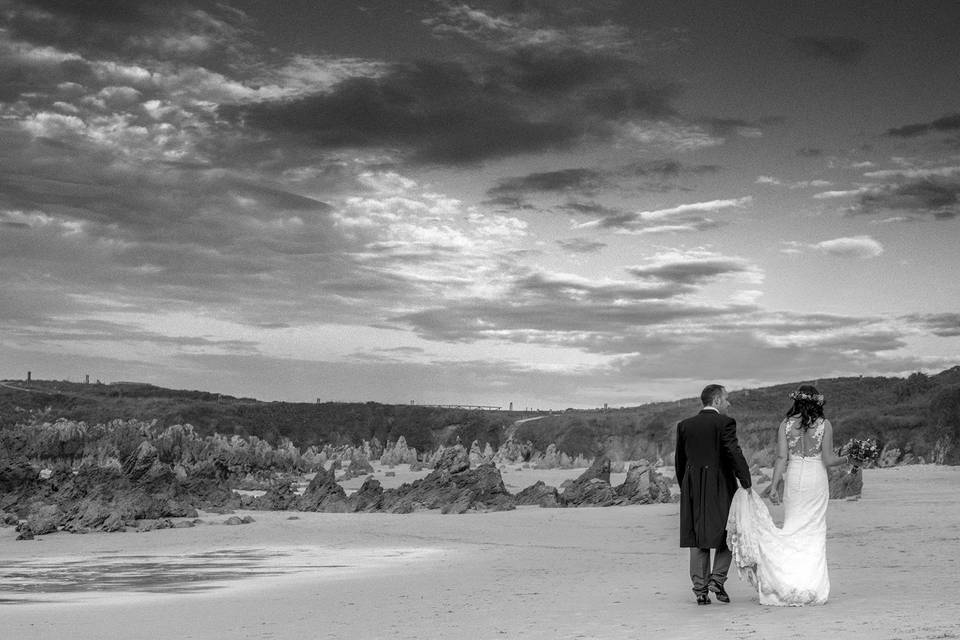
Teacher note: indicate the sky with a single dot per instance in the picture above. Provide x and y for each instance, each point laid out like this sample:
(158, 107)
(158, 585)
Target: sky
(539, 204)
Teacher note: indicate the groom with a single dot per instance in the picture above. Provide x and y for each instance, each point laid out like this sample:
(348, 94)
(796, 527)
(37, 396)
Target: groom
(708, 464)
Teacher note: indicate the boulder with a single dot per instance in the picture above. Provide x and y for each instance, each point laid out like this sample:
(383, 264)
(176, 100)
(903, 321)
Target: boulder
(43, 518)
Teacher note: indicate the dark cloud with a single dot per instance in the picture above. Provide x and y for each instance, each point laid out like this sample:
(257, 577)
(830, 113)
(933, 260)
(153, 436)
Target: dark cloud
(552, 72)
(945, 325)
(580, 180)
(434, 109)
(837, 49)
(590, 209)
(653, 175)
(666, 168)
(945, 124)
(937, 197)
(581, 245)
(692, 271)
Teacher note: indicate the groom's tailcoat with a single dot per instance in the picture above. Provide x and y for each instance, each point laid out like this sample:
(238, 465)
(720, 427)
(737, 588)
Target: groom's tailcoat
(708, 464)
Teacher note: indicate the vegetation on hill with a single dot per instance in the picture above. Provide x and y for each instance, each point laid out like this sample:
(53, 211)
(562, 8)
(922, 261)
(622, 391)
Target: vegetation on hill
(919, 414)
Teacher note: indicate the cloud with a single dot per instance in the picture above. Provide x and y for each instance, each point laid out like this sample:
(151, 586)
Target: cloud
(914, 173)
(944, 325)
(581, 245)
(851, 247)
(934, 197)
(945, 124)
(684, 217)
(579, 180)
(694, 268)
(836, 49)
(652, 175)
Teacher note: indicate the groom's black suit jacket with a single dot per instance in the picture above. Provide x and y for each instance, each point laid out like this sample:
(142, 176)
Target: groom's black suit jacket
(708, 463)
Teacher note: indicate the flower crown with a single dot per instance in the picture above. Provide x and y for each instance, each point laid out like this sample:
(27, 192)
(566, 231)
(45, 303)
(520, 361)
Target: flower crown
(800, 395)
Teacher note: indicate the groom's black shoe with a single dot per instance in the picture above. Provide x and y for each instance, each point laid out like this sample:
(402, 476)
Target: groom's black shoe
(703, 599)
(720, 593)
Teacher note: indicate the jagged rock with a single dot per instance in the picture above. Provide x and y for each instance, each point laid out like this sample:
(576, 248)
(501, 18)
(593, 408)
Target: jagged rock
(476, 455)
(416, 466)
(368, 497)
(9, 519)
(323, 494)
(636, 486)
(599, 469)
(452, 460)
(592, 492)
(540, 494)
(400, 453)
(140, 461)
(479, 489)
(359, 466)
(278, 498)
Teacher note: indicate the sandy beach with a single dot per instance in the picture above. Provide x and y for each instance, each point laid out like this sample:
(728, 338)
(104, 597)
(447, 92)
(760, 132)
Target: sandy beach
(606, 573)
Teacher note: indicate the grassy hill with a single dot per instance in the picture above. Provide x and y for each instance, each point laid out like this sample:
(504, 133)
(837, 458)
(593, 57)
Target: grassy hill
(914, 413)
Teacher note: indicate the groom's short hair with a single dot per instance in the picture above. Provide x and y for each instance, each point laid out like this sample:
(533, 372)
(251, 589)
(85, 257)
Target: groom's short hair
(710, 392)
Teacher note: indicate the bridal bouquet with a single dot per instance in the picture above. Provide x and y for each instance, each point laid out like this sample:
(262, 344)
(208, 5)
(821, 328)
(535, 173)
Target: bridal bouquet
(865, 450)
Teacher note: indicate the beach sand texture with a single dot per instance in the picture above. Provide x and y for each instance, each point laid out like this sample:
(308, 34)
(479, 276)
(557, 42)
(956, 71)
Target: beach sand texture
(610, 573)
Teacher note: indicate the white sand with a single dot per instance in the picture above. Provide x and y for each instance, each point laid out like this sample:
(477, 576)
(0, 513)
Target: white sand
(531, 573)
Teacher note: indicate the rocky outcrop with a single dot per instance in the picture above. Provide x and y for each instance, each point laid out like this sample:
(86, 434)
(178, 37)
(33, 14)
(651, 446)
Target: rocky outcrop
(278, 498)
(592, 487)
(636, 487)
(539, 494)
(399, 453)
(359, 467)
(368, 497)
(452, 487)
(114, 498)
(323, 494)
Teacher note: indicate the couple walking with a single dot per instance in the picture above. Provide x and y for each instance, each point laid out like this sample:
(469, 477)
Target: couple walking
(787, 565)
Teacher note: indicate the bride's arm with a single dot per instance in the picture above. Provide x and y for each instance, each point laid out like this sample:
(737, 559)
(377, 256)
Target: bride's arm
(780, 464)
(830, 459)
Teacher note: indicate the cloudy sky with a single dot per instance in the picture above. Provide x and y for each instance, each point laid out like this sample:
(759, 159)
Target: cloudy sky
(551, 204)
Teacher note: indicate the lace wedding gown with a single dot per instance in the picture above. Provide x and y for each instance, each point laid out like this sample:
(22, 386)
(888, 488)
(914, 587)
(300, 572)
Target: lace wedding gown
(787, 565)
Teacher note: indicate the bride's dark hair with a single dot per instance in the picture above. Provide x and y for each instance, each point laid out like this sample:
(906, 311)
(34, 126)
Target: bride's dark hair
(808, 404)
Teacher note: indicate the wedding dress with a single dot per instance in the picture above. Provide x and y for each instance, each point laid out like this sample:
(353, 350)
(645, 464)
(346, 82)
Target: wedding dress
(787, 565)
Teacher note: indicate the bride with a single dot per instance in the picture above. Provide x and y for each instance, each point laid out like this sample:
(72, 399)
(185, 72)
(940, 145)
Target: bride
(788, 565)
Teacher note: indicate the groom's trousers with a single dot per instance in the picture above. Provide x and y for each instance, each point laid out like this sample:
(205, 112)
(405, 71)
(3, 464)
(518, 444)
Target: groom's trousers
(700, 571)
